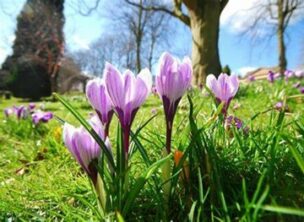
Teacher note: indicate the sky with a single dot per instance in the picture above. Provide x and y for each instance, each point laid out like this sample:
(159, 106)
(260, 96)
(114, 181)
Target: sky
(240, 53)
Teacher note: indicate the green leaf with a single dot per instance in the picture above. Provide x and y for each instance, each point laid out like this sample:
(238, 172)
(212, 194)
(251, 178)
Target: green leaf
(140, 182)
(284, 210)
(296, 154)
(119, 217)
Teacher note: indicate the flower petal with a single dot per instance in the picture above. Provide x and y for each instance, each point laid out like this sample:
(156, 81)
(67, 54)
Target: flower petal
(114, 85)
(211, 83)
(234, 85)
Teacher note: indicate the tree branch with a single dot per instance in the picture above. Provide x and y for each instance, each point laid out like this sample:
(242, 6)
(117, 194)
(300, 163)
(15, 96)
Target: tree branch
(177, 12)
(89, 9)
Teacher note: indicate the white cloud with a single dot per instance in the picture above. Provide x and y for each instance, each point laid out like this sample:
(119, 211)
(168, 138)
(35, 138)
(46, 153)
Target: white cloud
(11, 39)
(3, 54)
(244, 70)
(239, 14)
(80, 43)
(236, 13)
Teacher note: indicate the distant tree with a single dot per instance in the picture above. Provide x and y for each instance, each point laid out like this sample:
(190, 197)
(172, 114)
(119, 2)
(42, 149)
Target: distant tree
(226, 69)
(203, 20)
(138, 44)
(106, 48)
(146, 30)
(277, 14)
(39, 41)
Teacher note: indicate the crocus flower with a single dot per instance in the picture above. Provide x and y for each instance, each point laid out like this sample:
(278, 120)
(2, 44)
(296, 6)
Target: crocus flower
(172, 80)
(224, 88)
(83, 147)
(127, 92)
(277, 75)
(279, 106)
(100, 101)
(40, 116)
(236, 122)
(232, 120)
(288, 74)
(296, 85)
(8, 111)
(299, 73)
(154, 90)
(251, 78)
(301, 89)
(271, 76)
(21, 112)
(31, 106)
(153, 111)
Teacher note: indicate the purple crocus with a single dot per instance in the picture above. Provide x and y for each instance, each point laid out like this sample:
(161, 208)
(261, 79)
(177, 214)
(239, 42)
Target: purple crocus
(154, 90)
(100, 101)
(279, 106)
(288, 74)
(83, 147)
(251, 78)
(32, 106)
(21, 112)
(236, 122)
(224, 88)
(271, 76)
(296, 85)
(301, 89)
(40, 116)
(172, 80)
(127, 92)
(8, 111)
(277, 75)
(299, 73)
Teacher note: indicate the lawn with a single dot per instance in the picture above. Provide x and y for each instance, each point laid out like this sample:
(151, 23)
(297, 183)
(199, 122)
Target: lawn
(255, 176)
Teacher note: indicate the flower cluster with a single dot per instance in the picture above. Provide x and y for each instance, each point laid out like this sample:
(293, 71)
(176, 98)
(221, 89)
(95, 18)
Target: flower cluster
(123, 94)
(288, 74)
(30, 111)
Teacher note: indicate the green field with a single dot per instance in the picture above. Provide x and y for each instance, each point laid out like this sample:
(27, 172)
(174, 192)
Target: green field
(260, 174)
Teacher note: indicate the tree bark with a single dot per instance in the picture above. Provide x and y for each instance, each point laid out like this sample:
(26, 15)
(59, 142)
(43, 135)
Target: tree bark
(280, 34)
(204, 23)
(139, 35)
(203, 20)
(54, 83)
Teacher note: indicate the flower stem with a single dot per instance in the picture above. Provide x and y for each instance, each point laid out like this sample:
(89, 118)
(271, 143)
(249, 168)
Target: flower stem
(126, 141)
(168, 136)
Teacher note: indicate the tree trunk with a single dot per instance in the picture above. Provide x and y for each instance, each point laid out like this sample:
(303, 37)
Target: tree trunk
(204, 20)
(281, 42)
(139, 35)
(54, 85)
(153, 40)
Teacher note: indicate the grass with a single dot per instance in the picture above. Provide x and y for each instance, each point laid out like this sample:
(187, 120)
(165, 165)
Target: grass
(258, 176)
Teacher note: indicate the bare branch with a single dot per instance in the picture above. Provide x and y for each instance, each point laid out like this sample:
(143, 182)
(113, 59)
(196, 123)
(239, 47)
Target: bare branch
(177, 12)
(88, 9)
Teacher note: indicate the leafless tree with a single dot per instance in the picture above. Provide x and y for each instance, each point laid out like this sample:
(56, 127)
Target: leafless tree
(276, 15)
(145, 32)
(202, 18)
(92, 60)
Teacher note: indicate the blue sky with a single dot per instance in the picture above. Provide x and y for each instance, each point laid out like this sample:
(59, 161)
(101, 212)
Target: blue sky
(239, 53)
